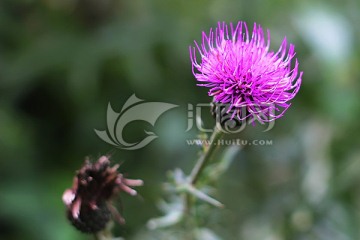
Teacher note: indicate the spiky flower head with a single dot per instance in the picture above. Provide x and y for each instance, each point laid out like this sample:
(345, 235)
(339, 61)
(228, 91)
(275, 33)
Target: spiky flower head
(242, 73)
(88, 202)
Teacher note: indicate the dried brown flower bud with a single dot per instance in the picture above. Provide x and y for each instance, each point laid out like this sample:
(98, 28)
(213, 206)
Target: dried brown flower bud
(88, 202)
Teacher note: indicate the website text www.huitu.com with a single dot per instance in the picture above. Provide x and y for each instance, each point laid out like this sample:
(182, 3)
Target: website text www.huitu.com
(230, 142)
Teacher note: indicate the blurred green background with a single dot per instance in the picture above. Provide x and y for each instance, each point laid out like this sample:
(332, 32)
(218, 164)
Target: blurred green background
(62, 61)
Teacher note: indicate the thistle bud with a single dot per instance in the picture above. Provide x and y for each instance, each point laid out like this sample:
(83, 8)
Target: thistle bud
(89, 201)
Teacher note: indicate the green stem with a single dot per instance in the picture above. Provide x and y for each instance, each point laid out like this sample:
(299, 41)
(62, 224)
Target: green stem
(97, 236)
(105, 234)
(206, 156)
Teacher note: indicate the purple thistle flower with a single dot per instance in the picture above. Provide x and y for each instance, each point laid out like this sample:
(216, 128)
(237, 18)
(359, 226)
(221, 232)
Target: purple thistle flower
(242, 73)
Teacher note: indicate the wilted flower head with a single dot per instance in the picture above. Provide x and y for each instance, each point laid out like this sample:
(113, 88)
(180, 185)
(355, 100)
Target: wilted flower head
(242, 73)
(88, 202)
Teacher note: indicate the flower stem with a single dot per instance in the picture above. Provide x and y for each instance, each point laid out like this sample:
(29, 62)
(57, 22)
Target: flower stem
(105, 234)
(206, 156)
